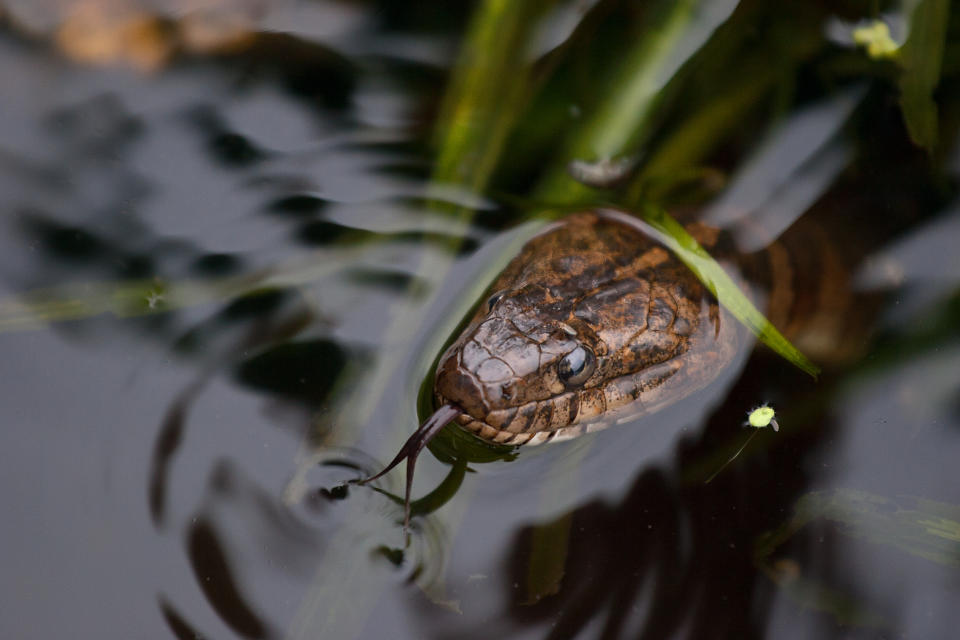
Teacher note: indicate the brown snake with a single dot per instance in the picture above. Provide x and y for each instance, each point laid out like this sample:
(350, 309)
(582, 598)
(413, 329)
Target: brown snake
(593, 322)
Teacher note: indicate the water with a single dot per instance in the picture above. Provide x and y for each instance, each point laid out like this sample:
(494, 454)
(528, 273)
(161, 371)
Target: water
(225, 273)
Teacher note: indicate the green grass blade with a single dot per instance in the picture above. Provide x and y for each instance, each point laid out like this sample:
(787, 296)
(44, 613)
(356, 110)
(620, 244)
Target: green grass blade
(921, 57)
(37, 308)
(685, 247)
(488, 88)
(619, 125)
(920, 527)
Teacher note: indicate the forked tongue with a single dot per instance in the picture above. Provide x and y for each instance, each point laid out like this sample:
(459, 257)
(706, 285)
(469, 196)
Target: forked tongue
(412, 448)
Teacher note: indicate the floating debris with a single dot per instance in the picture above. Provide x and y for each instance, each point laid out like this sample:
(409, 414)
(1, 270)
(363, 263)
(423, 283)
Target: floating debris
(154, 298)
(603, 173)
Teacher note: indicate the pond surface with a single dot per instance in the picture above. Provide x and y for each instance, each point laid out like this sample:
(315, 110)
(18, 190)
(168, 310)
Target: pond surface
(237, 236)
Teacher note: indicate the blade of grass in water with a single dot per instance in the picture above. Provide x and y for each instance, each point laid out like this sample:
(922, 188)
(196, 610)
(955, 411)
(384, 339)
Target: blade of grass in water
(37, 308)
(921, 57)
(922, 528)
(488, 86)
(620, 123)
(723, 287)
(685, 247)
(700, 134)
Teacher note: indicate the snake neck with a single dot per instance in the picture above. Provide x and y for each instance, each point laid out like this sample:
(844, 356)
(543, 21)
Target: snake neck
(802, 282)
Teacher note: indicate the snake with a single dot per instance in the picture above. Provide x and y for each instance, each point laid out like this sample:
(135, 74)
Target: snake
(593, 322)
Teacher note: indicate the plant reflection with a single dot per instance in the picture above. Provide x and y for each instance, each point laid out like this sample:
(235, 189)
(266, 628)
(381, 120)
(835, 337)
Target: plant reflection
(216, 579)
(668, 560)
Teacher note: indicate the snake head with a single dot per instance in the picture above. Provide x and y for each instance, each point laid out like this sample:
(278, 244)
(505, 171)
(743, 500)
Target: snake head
(521, 348)
(592, 319)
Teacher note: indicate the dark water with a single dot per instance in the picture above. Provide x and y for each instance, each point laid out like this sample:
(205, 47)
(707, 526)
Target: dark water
(225, 273)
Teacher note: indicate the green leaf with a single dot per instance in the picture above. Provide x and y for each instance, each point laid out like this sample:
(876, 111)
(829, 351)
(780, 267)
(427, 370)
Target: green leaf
(678, 30)
(921, 56)
(488, 87)
(712, 275)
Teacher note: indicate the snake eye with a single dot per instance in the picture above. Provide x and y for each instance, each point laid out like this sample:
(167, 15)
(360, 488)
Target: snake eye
(576, 367)
(494, 299)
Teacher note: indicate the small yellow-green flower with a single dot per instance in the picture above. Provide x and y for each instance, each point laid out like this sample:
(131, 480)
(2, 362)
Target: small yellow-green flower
(875, 37)
(763, 416)
(758, 418)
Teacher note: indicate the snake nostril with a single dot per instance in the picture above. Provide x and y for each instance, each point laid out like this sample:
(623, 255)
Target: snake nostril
(506, 391)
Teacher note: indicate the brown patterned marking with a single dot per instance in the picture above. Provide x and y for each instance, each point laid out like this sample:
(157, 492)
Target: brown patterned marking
(524, 418)
(620, 391)
(543, 418)
(592, 404)
(651, 259)
(566, 406)
(502, 418)
(484, 431)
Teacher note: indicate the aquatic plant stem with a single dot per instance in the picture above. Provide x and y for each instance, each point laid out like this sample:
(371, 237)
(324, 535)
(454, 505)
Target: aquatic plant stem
(621, 123)
(732, 458)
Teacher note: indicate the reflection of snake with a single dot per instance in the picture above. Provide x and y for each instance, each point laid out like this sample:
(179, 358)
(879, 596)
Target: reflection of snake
(593, 322)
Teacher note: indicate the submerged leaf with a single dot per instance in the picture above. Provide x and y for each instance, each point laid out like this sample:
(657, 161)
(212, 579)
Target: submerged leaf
(821, 597)
(919, 527)
(923, 528)
(549, 547)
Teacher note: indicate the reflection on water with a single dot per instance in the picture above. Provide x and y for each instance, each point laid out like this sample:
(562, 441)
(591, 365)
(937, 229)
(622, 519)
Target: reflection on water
(238, 234)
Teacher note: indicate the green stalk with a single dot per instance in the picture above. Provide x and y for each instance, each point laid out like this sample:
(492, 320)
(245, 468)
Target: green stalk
(488, 86)
(921, 57)
(700, 133)
(621, 123)
(685, 247)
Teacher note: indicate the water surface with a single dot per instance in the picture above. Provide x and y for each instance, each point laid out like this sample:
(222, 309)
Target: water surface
(232, 248)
